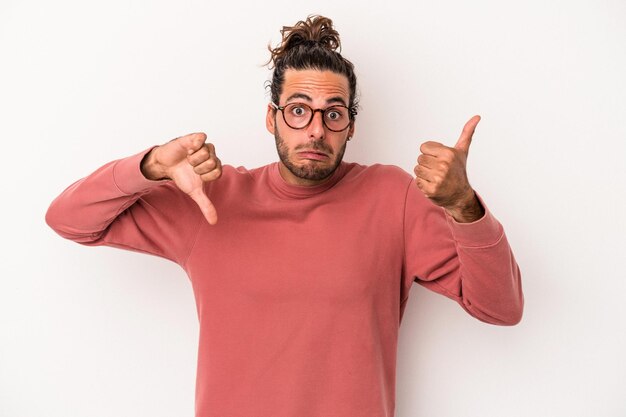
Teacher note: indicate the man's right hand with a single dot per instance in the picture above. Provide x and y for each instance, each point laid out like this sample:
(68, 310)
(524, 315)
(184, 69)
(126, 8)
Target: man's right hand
(189, 162)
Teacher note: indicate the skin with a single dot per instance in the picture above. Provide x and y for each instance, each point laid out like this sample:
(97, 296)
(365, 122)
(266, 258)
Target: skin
(441, 174)
(189, 162)
(309, 156)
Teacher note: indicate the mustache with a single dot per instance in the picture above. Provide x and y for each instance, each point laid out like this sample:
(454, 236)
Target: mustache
(316, 146)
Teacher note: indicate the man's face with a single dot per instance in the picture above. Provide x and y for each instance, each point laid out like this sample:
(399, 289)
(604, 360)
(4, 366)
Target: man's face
(310, 155)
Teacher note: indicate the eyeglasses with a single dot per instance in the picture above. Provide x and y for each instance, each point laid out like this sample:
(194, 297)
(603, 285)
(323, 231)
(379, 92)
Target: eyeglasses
(299, 115)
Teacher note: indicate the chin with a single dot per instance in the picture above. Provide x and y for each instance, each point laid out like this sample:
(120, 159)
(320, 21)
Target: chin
(311, 171)
(308, 170)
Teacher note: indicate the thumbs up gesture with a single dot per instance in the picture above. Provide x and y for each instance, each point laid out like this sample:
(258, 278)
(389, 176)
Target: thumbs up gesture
(442, 176)
(189, 162)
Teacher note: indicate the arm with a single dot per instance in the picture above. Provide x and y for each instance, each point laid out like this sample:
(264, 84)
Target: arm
(454, 244)
(471, 263)
(118, 206)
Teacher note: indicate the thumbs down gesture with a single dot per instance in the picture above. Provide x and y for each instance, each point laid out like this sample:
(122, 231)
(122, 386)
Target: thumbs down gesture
(189, 162)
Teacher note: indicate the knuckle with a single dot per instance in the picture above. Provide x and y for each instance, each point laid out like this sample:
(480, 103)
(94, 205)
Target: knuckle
(203, 153)
(212, 175)
(447, 154)
(199, 137)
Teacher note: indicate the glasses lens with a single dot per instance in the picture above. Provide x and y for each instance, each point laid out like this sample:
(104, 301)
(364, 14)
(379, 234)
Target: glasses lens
(297, 115)
(336, 118)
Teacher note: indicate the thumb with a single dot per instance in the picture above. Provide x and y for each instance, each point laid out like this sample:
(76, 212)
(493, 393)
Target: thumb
(465, 139)
(206, 207)
(192, 142)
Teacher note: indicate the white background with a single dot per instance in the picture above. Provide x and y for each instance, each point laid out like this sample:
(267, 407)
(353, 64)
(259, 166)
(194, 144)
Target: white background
(103, 332)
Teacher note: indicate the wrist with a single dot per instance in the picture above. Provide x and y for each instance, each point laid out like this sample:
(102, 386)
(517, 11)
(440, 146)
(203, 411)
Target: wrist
(467, 210)
(150, 168)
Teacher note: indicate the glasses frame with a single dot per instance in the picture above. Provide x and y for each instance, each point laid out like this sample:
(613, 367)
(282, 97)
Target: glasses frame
(351, 112)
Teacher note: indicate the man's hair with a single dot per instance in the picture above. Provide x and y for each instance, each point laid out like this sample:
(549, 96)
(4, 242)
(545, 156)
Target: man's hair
(310, 44)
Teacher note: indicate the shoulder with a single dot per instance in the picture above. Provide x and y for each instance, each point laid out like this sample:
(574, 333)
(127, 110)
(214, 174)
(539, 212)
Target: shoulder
(241, 173)
(240, 178)
(387, 184)
(378, 174)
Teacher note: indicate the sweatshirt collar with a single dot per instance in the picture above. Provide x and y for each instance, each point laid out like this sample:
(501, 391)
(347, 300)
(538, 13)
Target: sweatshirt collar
(290, 191)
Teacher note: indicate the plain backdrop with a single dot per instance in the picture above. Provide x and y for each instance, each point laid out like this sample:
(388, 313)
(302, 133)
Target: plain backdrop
(103, 332)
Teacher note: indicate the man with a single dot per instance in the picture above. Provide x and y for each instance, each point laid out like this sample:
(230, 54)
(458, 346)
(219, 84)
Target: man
(301, 284)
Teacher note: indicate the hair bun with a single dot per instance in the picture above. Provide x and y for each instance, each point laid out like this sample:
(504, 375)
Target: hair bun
(314, 31)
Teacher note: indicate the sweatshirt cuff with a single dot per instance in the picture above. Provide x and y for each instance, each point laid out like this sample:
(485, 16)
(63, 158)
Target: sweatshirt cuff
(486, 231)
(128, 177)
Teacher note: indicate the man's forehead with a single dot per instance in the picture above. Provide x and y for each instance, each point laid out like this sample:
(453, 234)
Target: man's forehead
(316, 85)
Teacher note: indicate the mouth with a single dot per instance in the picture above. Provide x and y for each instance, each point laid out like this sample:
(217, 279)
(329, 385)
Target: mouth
(313, 155)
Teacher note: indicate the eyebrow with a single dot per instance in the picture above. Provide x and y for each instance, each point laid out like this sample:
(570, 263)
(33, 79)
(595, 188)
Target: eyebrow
(336, 99)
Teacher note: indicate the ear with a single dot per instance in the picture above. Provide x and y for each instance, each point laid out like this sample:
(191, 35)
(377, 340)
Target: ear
(351, 130)
(270, 119)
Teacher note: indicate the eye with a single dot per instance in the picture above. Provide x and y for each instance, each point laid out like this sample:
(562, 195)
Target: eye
(334, 114)
(298, 110)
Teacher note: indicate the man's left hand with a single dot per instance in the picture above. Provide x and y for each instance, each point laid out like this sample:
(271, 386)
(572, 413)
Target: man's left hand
(441, 174)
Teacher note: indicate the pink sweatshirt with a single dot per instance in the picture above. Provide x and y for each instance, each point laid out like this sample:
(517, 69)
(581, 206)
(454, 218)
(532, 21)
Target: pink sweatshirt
(300, 291)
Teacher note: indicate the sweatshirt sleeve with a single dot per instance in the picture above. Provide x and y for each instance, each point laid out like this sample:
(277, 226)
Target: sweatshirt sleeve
(471, 263)
(117, 206)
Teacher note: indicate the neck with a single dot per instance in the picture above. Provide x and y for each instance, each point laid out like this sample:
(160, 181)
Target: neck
(292, 179)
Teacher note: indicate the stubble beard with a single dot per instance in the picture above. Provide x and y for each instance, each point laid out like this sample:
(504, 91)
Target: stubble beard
(310, 172)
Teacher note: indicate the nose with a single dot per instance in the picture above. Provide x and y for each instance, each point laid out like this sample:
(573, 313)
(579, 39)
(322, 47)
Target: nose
(316, 127)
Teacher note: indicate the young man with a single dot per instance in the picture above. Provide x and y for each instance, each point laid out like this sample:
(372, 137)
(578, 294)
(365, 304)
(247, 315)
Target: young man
(302, 283)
